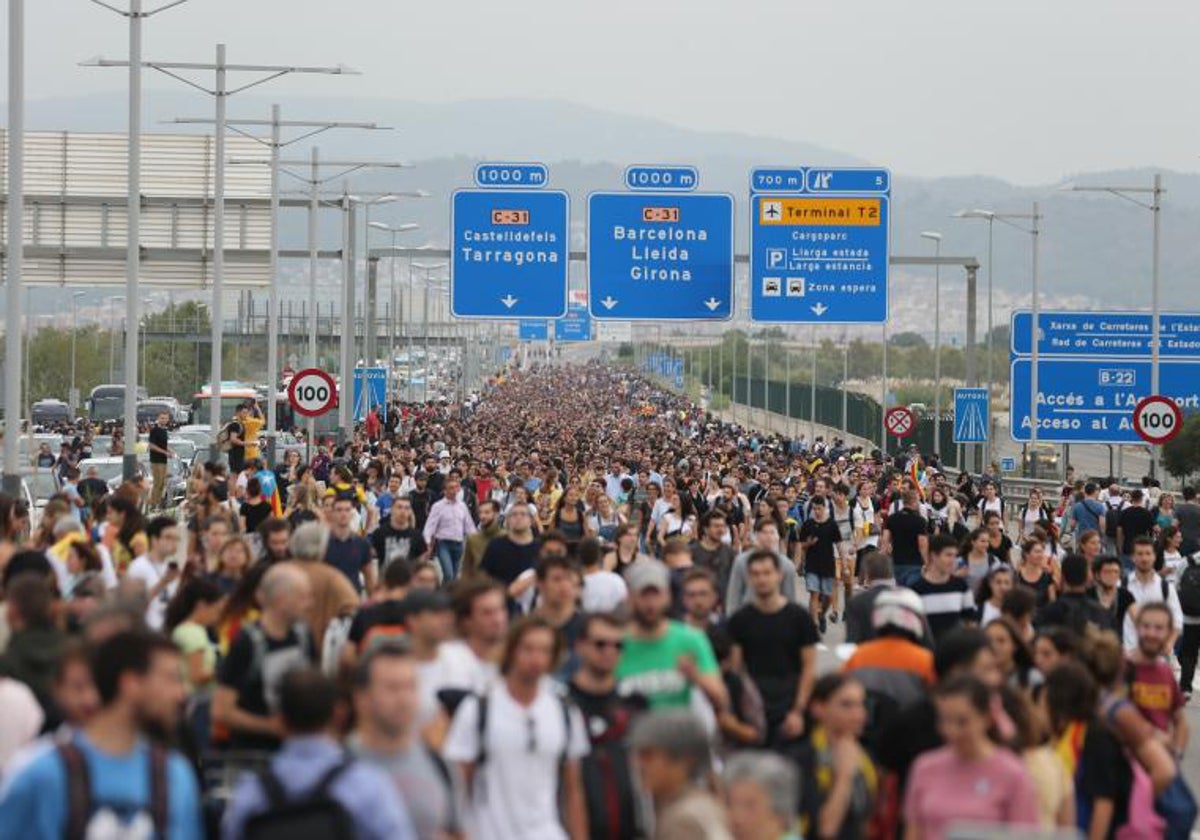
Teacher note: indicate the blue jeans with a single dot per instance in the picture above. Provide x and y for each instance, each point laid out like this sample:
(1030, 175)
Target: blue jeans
(449, 555)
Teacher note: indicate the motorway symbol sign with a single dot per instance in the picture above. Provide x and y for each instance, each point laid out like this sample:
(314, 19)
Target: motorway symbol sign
(1008, 464)
(312, 392)
(1111, 334)
(574, 326)
(971, 415)
(370, 391)
(1092, 400)
(509, 247)
(819, 245)
(1157, 419)
(660, 256)
(900, 421)
(533, 329)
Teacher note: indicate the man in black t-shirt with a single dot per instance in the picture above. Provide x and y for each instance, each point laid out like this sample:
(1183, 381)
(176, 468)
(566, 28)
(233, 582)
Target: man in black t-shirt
(907, 535)
(819, 537)
(608, 786)
(397, 537)
(1133, 522)
(776, 641)
(246, 701)
(237, 442)
(508, 556)
(383, 621)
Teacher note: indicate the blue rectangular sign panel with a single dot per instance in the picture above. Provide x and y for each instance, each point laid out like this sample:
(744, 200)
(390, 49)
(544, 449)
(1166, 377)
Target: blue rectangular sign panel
(819, 254)
(972, 415)
(660, 257)
(509, 254)
(574, 326)
(533, 329)
(1008, 464)
(373, 395)
(1112, 334)
(1092, 401)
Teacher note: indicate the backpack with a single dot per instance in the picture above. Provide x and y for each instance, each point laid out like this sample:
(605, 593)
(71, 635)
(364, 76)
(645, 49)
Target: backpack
(337, 635)
(481, 729)
(1189, 587)
(1143, 822)
(224, 437)
(79, 790)
(1111, 514)
(315, 814)
(258, 640)
(1163, 583)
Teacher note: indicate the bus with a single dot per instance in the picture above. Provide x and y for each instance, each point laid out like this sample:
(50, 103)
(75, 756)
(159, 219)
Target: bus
(234, 394)
(107, 402)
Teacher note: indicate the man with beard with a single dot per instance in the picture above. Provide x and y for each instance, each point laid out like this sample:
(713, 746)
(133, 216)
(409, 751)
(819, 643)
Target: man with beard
(664, 659)
(397, 537)
(607, 779)
(1152, 685)
(386, 702)
(99, 783)
(488, 529)
(275, 534)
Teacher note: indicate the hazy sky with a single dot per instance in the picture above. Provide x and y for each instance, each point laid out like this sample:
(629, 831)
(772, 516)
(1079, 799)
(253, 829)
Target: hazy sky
(1029, 90)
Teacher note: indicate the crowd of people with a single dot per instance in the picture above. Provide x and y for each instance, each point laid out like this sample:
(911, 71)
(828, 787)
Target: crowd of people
(582, 606)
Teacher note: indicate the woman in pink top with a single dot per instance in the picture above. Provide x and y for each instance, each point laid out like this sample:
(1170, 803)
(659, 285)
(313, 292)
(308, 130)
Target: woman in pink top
(971, 780)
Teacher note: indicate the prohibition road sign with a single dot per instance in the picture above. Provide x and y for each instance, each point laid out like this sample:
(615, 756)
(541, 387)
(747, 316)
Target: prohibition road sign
(1157, 419)
(900, 422)
(312, 392)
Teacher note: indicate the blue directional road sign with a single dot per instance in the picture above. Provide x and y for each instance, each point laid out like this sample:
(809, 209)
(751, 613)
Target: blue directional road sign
(819, 245)
(660, 256)
(1092, 401)
(509, 252)
(373, 395)
(1111, 334)
(971, 415)
(1008, 464)
(533, 329)
(574, 326)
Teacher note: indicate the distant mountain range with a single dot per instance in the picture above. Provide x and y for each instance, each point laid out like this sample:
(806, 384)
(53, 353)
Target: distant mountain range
(1094, 247)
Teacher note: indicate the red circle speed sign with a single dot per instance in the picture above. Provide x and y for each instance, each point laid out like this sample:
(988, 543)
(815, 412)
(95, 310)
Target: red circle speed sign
(900, 422)
(312, 392)
(1157, 419)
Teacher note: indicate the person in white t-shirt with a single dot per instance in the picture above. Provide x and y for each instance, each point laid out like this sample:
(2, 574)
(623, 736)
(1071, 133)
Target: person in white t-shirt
(429, 620)
(603, 591)
(481, 612)
(158, 569)
(520, 743)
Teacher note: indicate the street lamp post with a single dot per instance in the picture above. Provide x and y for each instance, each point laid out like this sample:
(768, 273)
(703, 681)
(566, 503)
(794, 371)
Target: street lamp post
(1155, 191)
(16, 243)
(936, 238)
(394, 230)
(72, 395)
(991, 217)
(276, 144)
(220, 93)
(427, 268)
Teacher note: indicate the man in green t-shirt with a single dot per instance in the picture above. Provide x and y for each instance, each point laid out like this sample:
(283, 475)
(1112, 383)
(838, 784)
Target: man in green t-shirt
(664, 659)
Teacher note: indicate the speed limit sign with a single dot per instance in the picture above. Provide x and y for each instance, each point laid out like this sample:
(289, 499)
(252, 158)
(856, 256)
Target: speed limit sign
(1157, 419)
(312, 392)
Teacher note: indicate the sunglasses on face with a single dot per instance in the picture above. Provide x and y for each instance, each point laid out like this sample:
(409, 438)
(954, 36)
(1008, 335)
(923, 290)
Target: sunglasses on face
(608, 644)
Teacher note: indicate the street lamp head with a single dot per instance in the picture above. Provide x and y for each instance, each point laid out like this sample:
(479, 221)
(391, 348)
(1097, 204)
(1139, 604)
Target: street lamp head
(346, 70)
(931, 234)
(94, 61)
(973, 214)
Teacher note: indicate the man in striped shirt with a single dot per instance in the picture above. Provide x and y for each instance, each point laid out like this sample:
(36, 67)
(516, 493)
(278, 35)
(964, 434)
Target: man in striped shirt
(947, 598)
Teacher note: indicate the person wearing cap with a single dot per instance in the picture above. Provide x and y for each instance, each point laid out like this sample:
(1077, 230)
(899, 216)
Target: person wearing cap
(895, 663)
(665, 659)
